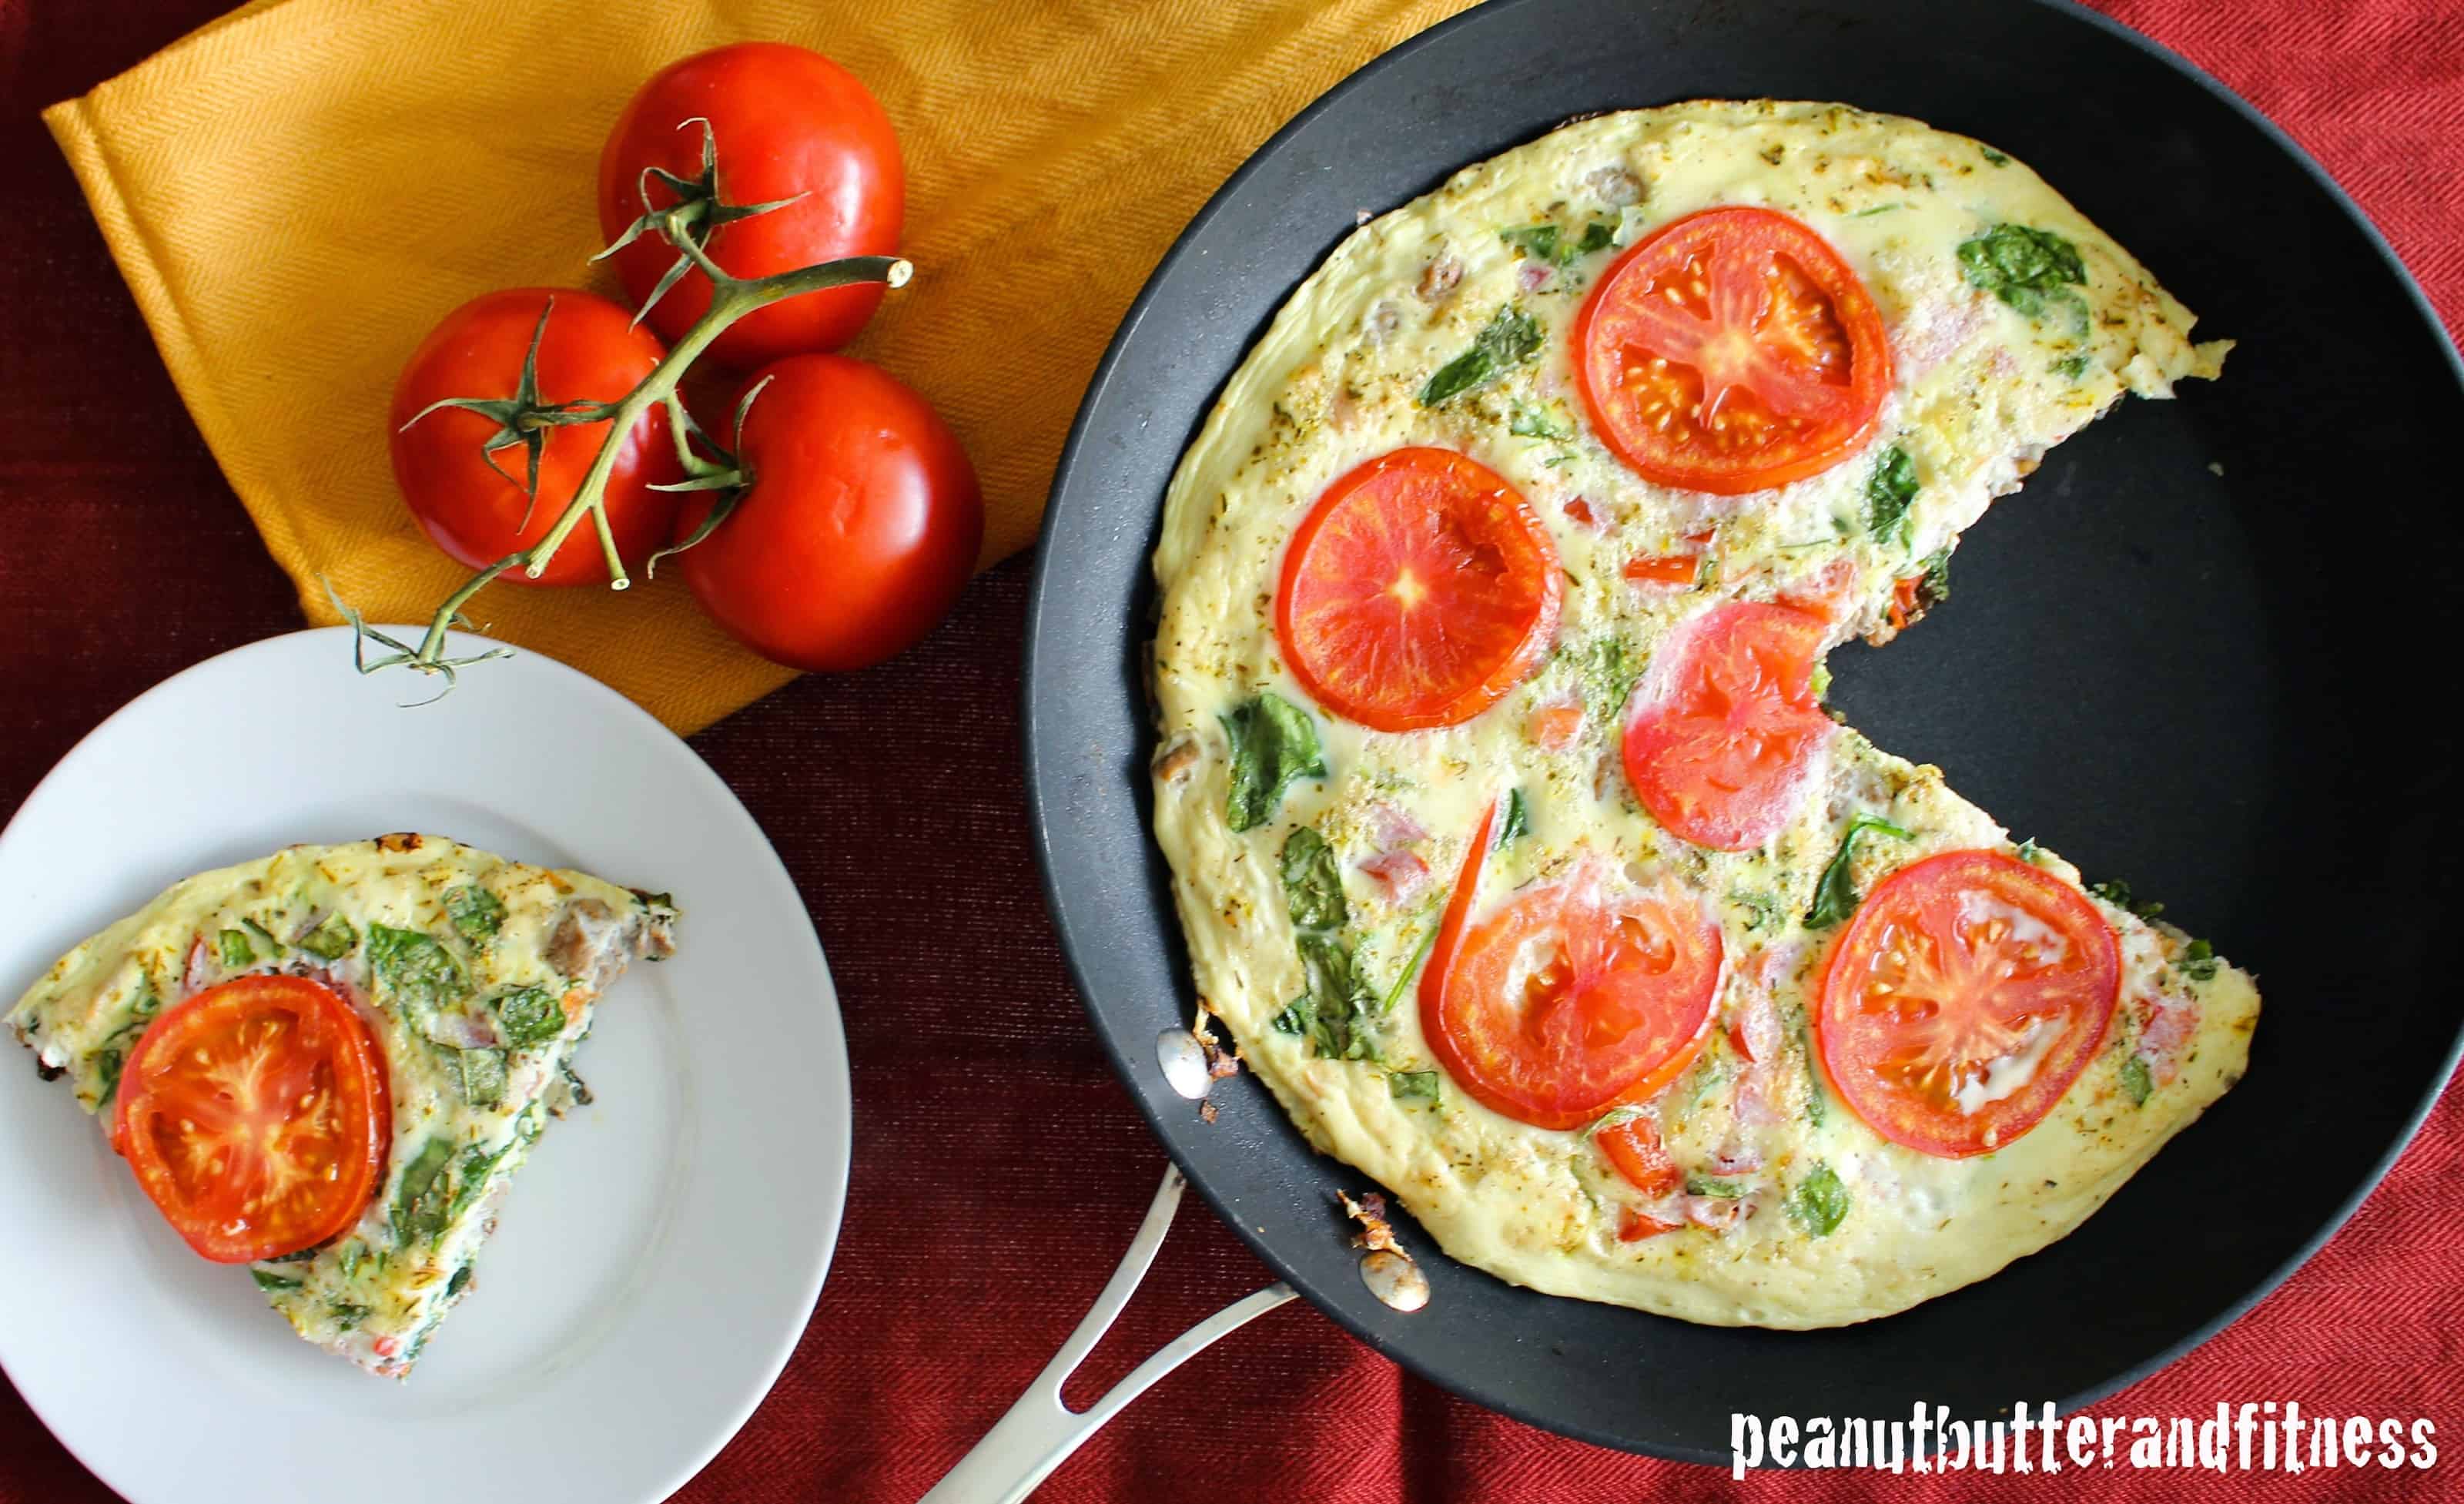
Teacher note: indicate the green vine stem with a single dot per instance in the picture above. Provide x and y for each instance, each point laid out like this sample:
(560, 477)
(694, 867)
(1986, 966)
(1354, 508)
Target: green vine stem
(732, 298)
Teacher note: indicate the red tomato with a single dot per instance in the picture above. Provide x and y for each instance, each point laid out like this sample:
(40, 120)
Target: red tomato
(1729, 351)
(1417, 592)
(788, 123)
(861, 522)
(1961, 1000)
(1570, 1000)
(256, 1116)
(590, 353)
(1724, 729)
(1664, 568)
(1634, 1152)
(1636, 1225)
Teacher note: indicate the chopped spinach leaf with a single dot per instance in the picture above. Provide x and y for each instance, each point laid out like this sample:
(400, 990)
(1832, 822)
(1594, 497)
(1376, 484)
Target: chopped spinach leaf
(2114, 890)
(348, 1260)
(1933, 586)
(1518, 818)
(302, 1256)
(2029, 850)
(1597, 235)
(574, 1084)
(1539, 242)
(1341, 1002)
(2073, 367)
(420, 1202)
(529, 1016)
(1763, 907)
(2136, 1081)
(1708, 1185)
(1836, 895)
(1296, 1018)
(1995, 157)
(1536, 423)
(1889, 491)
(1312, 885)
(1411, 963)
(234, 949)
(476, 913)
(481, 1076)
(2027, 268)
(272, 1282)
(1819, 1203)
(460, 1281)
(346, 1316)
(1509, 338)
(2199, 961)
(1413, 1086)
(273, 947)
(1608, 677)
(1273, 742)
(331, 940)
(107, 1064)
(473, 1178)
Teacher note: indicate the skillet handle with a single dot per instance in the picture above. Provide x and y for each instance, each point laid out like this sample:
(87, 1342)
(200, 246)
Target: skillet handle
(1039, 1432)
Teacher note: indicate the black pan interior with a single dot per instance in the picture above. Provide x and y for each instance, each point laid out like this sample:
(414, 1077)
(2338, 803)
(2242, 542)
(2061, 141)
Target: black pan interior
(2197, 651)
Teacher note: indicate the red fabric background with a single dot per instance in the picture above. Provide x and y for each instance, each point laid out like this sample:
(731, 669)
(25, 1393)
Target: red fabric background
(123, 558)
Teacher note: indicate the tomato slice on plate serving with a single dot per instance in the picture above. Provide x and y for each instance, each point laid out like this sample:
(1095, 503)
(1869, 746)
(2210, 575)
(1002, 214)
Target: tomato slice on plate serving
(256, 1116)
(1722, 732)
(1572, 998)
(1961, 1000)
(1731, 350)
(1418, 590)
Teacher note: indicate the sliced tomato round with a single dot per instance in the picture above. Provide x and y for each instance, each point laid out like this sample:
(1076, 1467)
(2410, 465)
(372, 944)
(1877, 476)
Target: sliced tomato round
(1961, 1000)
(1731, 350)
(1418, 590)
(1722, 732)
(1572, 998)
(256, 1116)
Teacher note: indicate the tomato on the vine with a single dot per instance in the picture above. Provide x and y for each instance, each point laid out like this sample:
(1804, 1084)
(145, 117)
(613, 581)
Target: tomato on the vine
(471, 500)
(787, 124)
(859, 522)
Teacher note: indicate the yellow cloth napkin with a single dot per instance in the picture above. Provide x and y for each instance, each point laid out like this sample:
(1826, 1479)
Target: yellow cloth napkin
(299, 191)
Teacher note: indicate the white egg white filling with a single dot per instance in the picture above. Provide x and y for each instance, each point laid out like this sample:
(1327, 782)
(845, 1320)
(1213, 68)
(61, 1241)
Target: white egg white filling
(1981, 392)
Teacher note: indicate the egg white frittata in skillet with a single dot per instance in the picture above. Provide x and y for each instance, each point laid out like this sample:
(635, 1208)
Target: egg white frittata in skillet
(1509, 831)
(328, 1063)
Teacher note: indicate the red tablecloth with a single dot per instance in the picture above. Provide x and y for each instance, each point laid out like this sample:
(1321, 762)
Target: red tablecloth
(894, 797)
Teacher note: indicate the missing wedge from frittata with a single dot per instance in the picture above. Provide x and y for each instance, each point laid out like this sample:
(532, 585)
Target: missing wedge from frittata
(1509, 831)
(327, 1064)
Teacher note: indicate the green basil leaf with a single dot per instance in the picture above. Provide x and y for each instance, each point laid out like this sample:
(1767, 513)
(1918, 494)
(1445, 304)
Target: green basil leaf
(1536, 423)
(1934, 587)
(1819, 1203)
(1889, 491)
(1413, 1086)
(1836, 895)
(1342, 1003)
(272, 1282)
(413, 973)
(472, 1179)
(528, 1017)
(1597, 235)
(2136, 1081)
(1706, 1185)
(476, 913)
(1273, 742)
(1608, 672)
(1312, 884)
(235, 950)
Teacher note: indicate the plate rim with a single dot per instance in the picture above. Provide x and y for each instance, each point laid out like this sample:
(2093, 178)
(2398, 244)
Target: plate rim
(835, 1083)
(1042, 592)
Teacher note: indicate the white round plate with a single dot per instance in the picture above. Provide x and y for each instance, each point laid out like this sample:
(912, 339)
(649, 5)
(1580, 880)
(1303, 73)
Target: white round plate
(657, 1258)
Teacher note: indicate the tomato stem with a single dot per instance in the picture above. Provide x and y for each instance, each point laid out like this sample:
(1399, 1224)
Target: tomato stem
(732, 298)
